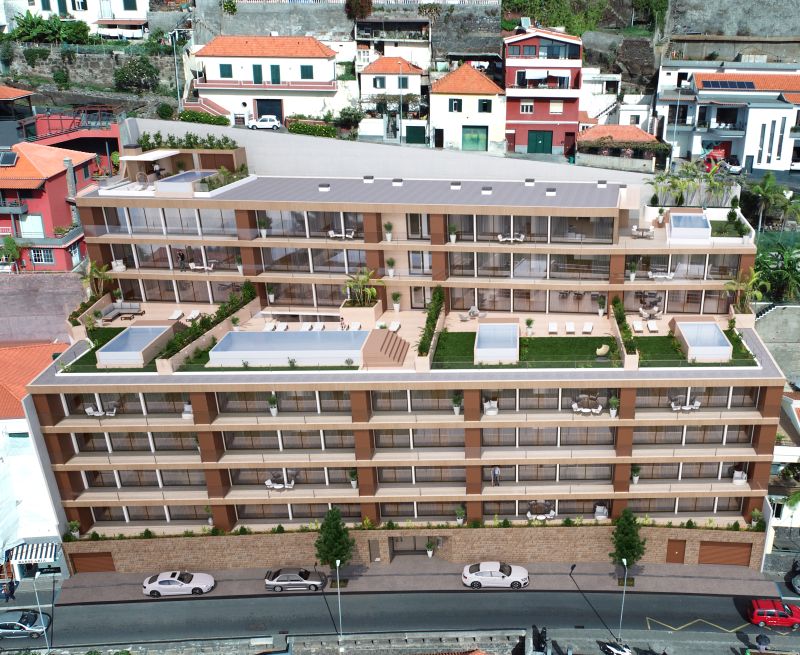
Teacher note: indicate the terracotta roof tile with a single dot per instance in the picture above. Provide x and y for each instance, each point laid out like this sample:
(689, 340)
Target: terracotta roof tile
(629, 133)
(762, 81)
(535, 31)
(37, 163)
(19, 365)
(466, 80)
(294, 47)
(794, 98)
(10, 93)
(392, 66)
(585, 119)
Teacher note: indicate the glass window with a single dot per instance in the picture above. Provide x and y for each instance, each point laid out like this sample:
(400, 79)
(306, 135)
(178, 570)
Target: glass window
(597, 436)
(463, 224)
(320, 224)
(253, 476)
(328, 261)
(146, 513)
(537, 472)
(538, 436)
(129, 441)
(704, 433)
(579, 267)
(378, 82)
(389, 401)
(499, 437)
(124, 403)
(658, 471)
(185, 478)
(180, 221)
(306, 72)
(513, 51)
(582, 229)
(711, 396)
(526, 300)
(688, 267)
(418, 226)
(494, 264)
(249, 402)
(251, 440)
(709, 470)
(716, 302)
(455, 105)
(293, 294)
(498, 300)
(394, 475)
(505, 398)
(545, 399)
(192, 291)
(530, 266)
(744, 397)
(285, 259)
(159, 290)
(684, 302)
(301, 439)
(175, 440)
(145, 220)
(419, 262)
(435, 400)
(425, 474)
(151, 256)
(281, 223)
(339, 439)
(402, 82)
(165, 403)
(187, 513)
(585, 472)
(484, 106)
(334, 401)
(437, 509)
(222, 257)
(271, 512)
(492, 226)
(42, 256)
(462, 264)
(297, 401)
(102, 514)
(330, 295)
(424, 438)
(221, 291)
(670, 434)
(526, 106)
(218, 221)
(392, 439)
(129, 478)
(100, 479)
(91, 442)
(395, 510)
(652, 505)
(462, 298)
(225, 71)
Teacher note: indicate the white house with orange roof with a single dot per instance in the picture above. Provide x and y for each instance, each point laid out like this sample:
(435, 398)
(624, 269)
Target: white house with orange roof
(30, 522)
(468, 112)
(245, 77)
(745, 113)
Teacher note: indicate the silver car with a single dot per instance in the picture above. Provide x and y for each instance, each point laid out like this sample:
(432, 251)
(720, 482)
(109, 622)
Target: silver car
(294, 578)
(177, 583)
(23, 623)
(495, 574)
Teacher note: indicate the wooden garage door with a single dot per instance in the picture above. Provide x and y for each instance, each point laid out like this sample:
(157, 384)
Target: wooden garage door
(92, 562)
(715, 552)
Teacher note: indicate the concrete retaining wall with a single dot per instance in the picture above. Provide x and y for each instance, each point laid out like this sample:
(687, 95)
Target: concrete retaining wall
(616, 163)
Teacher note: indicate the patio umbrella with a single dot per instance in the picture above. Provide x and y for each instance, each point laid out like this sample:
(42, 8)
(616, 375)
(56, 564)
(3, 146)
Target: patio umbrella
(762, 641)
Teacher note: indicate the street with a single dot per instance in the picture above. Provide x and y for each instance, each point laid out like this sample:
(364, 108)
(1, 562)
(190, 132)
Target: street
(222, 618)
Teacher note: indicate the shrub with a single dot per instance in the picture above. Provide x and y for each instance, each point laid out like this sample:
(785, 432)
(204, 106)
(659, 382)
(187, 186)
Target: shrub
(34, 55)
(137, 75)
(433, 311)
(73, 317)
(628, 544)
(505, 523)
(279, 529)
(334, 541)
(734, 527)
(350, 117)
(228, 6)
(7, 52)
(216, 532)
(94, 536)
(357, 9)
(475, 523)
(690, 525)
(654, 200)
(188, 141)
(312, 129)
(165, 111)
(147, 534)
(75, 31)
(61, 77)
(624, 329)
(191, 116)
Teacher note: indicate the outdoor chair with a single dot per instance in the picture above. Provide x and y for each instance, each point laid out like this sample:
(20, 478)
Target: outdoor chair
(570, 327)
(597, 410)
(602, 351)
(676, 407)
(394, 326)
(112, 412)
(588, 327)
(193, 316)
(464, 318)
(174, 316)
(552, 328)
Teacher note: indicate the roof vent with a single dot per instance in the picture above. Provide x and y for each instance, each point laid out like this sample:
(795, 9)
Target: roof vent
(529, 181)
(398, 181)
(369, 179)
(550, 192)
(455, 186)
(486, 190)
(602, 184)
(324, 188)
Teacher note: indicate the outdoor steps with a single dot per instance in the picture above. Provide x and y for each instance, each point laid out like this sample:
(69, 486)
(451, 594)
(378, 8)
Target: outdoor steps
(384, 349)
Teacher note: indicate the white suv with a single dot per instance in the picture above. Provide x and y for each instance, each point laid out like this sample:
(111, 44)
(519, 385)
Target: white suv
(265, 123)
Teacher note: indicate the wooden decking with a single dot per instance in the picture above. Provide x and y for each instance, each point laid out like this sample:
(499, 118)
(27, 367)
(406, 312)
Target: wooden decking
(384, 349)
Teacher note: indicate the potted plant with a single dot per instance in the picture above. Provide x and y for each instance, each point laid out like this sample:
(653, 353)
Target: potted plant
(528, 327)
(390, 266)
(239, 266)
(635, 470)
(430, 546)
(756, 516)
(461, 514)
(613, 406)
(601, 305)
(353, 475)
(263, 226)
(396, 295)
(117, 293)
(75, 529)
(452, 229)
(661, 216)
(632, 271)
(273, 404)
(387, 228)
(457, 398)
(271, 293)
(210, 519)
(235, 320)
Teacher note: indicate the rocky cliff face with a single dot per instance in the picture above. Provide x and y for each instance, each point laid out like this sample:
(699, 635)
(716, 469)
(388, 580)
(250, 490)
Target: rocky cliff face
(767, 18)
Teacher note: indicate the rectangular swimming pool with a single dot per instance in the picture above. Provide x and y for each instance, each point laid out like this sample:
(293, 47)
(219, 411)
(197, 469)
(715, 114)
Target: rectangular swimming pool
(497, 343)
(703, 342)
(133, 347)
(689, 226)
(275, 348)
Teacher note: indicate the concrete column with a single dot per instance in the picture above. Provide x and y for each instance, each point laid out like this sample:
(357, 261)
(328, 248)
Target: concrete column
(246, 226)
(365, 444)
(204, 407)
(70, 484)
(617, 507)
(92, 221)
(251, 261)
(472, 405)
(211, 446)
(48, 409)
(764, 439)
(99, 253)
(746, 262)
(367, 480)
(758, 476)
(224, 517)
(82, 515)
(370, 511)
(769, 402)
(438, 228)
(624, 445)
(59, 448)
(373, 231)
(627, 403)
(218, 482)
(622, 477)
(360, 407)
(616, 270)
(438, 266)
(472, 443)
(749, 505)
(474, 481)
(474, 510)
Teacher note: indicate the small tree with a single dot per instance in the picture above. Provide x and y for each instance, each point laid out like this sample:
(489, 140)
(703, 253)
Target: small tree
(628, 545)
(357, 9)
(334, 541)
(96, 277)
(137, 75)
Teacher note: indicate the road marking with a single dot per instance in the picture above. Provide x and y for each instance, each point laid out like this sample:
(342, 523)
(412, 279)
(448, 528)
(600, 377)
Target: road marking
(695, 621)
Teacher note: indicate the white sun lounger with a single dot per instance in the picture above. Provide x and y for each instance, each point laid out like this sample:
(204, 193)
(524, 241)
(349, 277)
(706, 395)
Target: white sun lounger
(193, 315)
(588, 327)
(638, 327)
(318, 327)
(305, 327)
(652, 326)
(270, 327)
(394, 326)
(174, 316)
(355, 325)
(281, 327)
(570, 327)
(552, 328)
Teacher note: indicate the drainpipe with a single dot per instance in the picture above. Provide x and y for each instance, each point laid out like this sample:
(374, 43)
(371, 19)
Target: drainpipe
(72, 188)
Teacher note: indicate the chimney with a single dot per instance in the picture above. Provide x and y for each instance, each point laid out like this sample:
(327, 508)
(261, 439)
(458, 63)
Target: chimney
(602, 184)
(486, 190)
(529, 181)
(72, 189)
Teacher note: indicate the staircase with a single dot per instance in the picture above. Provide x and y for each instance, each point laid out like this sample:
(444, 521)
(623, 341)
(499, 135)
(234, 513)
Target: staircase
(384, 349)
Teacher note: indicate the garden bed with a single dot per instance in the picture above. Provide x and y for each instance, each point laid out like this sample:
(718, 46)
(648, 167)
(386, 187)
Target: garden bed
(87, 363)
(666, 351)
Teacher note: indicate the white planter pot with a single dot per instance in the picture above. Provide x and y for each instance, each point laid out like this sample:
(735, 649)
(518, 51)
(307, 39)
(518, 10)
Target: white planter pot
(354, 484)
(613, 412)
(273, 411)
(391, 272)
(456, 410)
(210, 520)
(263, 234)
(430, 553)
(453, 238)
(388, 236)
(661, 220)
(271, 297)
(600, 312)
(632, 276)
(236, 328)
(528, 331)
(635, 479)
(75, 534)
(459, 520)
(396, 306)
(240, 268)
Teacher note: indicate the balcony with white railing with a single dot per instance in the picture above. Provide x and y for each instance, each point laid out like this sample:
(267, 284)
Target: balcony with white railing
(284, 85)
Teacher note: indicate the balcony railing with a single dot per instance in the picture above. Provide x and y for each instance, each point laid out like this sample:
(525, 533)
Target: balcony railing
(289, 85)
(13, 207)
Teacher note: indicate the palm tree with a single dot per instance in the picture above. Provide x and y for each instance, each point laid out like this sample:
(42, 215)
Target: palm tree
(748, 287)
(96, 277)
(660, 184)
(361, 289)
(781, 268)
(769, 193)
(791, 210)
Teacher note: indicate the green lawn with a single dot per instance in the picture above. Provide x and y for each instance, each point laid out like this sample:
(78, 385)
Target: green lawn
(723, 229)
(455, 350)
(768, 241)
(666, 351)
(100, 336)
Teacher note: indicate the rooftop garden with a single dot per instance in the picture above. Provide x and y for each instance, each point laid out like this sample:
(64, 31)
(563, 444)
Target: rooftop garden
(188, 141)
(666, 351)
(224, 177)
(692, 186)
(456, 350)
(87, 363)
(732, 227)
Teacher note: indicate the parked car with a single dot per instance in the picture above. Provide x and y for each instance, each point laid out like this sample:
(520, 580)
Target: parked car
(794, 577)
(294, 578)
(176, 583)
(23, 623)
(774, 613)
(495, 574)
(266, 122)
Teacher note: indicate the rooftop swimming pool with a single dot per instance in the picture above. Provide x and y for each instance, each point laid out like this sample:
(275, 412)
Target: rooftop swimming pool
(703, 342)
(689, 226)
(133, 347)
(497, 343)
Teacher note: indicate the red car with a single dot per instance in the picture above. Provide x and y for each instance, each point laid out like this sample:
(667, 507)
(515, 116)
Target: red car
(774, 613)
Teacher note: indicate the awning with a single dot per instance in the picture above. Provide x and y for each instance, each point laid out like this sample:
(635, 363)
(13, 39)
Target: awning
(535, 74)
(559, 73)
(122, 21)
(35, 553)
(151, 155)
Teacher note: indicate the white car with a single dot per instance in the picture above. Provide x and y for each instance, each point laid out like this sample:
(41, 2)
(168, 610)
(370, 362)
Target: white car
(176, 583)
(265, 123)
(495, 574)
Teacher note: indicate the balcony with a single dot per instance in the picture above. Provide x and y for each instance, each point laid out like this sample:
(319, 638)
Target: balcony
(729, 130)
(794, 131)
(13, 207)
(682, 123)
(289, 85)
(391, 35)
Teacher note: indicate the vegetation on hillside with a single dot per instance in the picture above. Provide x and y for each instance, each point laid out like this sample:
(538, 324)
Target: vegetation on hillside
(577, 16)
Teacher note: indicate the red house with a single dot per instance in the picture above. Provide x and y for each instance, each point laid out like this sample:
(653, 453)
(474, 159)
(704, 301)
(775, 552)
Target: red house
(543, 81)
(34, 205)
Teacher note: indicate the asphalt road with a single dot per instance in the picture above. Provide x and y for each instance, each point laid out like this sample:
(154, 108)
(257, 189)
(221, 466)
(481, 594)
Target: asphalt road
(221, 618)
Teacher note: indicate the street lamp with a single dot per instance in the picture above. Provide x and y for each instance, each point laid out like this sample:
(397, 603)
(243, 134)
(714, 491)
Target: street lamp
(339, 597)
(675, 126)
(174, 37)
(622, 608)
(41, 616)
(400, 109)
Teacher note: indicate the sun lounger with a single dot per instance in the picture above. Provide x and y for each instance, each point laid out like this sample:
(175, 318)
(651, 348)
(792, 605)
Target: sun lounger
(638, 327)
(588, 327)
(193, 315)
(281, 327)
(570, 327)
(269, 327)
(174, 316)
(355, 325)
(464, 318)
(395, 326)
(552, 328)
(318, 327)
(305, 327)
(652, 327)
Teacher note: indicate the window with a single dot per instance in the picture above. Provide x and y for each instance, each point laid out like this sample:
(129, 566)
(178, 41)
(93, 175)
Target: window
(526, 106)
(45, 5)
(513, 51)
(226, 71)
(379, 82)
(529, 51)
(42, 256)
(85, 171)
(634, 119)
(556, 106)
(455, 105)
(402, 82)
(521, 79)
(484, 106)
(129, 5)
(79, 5)
(306, 72)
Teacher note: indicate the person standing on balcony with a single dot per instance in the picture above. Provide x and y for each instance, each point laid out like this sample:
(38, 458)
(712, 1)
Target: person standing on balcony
(496, 476)
(182, 260)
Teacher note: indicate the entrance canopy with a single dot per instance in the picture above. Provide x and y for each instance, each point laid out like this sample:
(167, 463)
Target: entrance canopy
(35, 553)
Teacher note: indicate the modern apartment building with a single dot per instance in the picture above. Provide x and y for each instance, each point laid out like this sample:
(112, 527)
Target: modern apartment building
(287, 414)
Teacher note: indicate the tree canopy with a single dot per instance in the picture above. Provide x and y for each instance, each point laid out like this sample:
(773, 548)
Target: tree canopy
(628, 545)
(334, 541)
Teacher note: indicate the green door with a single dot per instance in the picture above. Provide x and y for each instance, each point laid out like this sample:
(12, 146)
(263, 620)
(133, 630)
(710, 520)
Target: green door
(275, 73)
(540, 141)
(258, 77)
(415, 134)
(474, 138)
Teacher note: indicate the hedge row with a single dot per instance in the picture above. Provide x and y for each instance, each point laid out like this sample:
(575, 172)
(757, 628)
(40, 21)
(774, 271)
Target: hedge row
(434, 309)
(624, 328)
(191, 116)
(312, 129)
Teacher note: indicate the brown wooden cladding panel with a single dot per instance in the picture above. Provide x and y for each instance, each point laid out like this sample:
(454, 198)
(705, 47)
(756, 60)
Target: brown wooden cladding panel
(715, 552)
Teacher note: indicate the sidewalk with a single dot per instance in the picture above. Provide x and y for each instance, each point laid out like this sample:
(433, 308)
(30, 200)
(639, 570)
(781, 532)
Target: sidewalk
(26, 597)
(415, 573)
